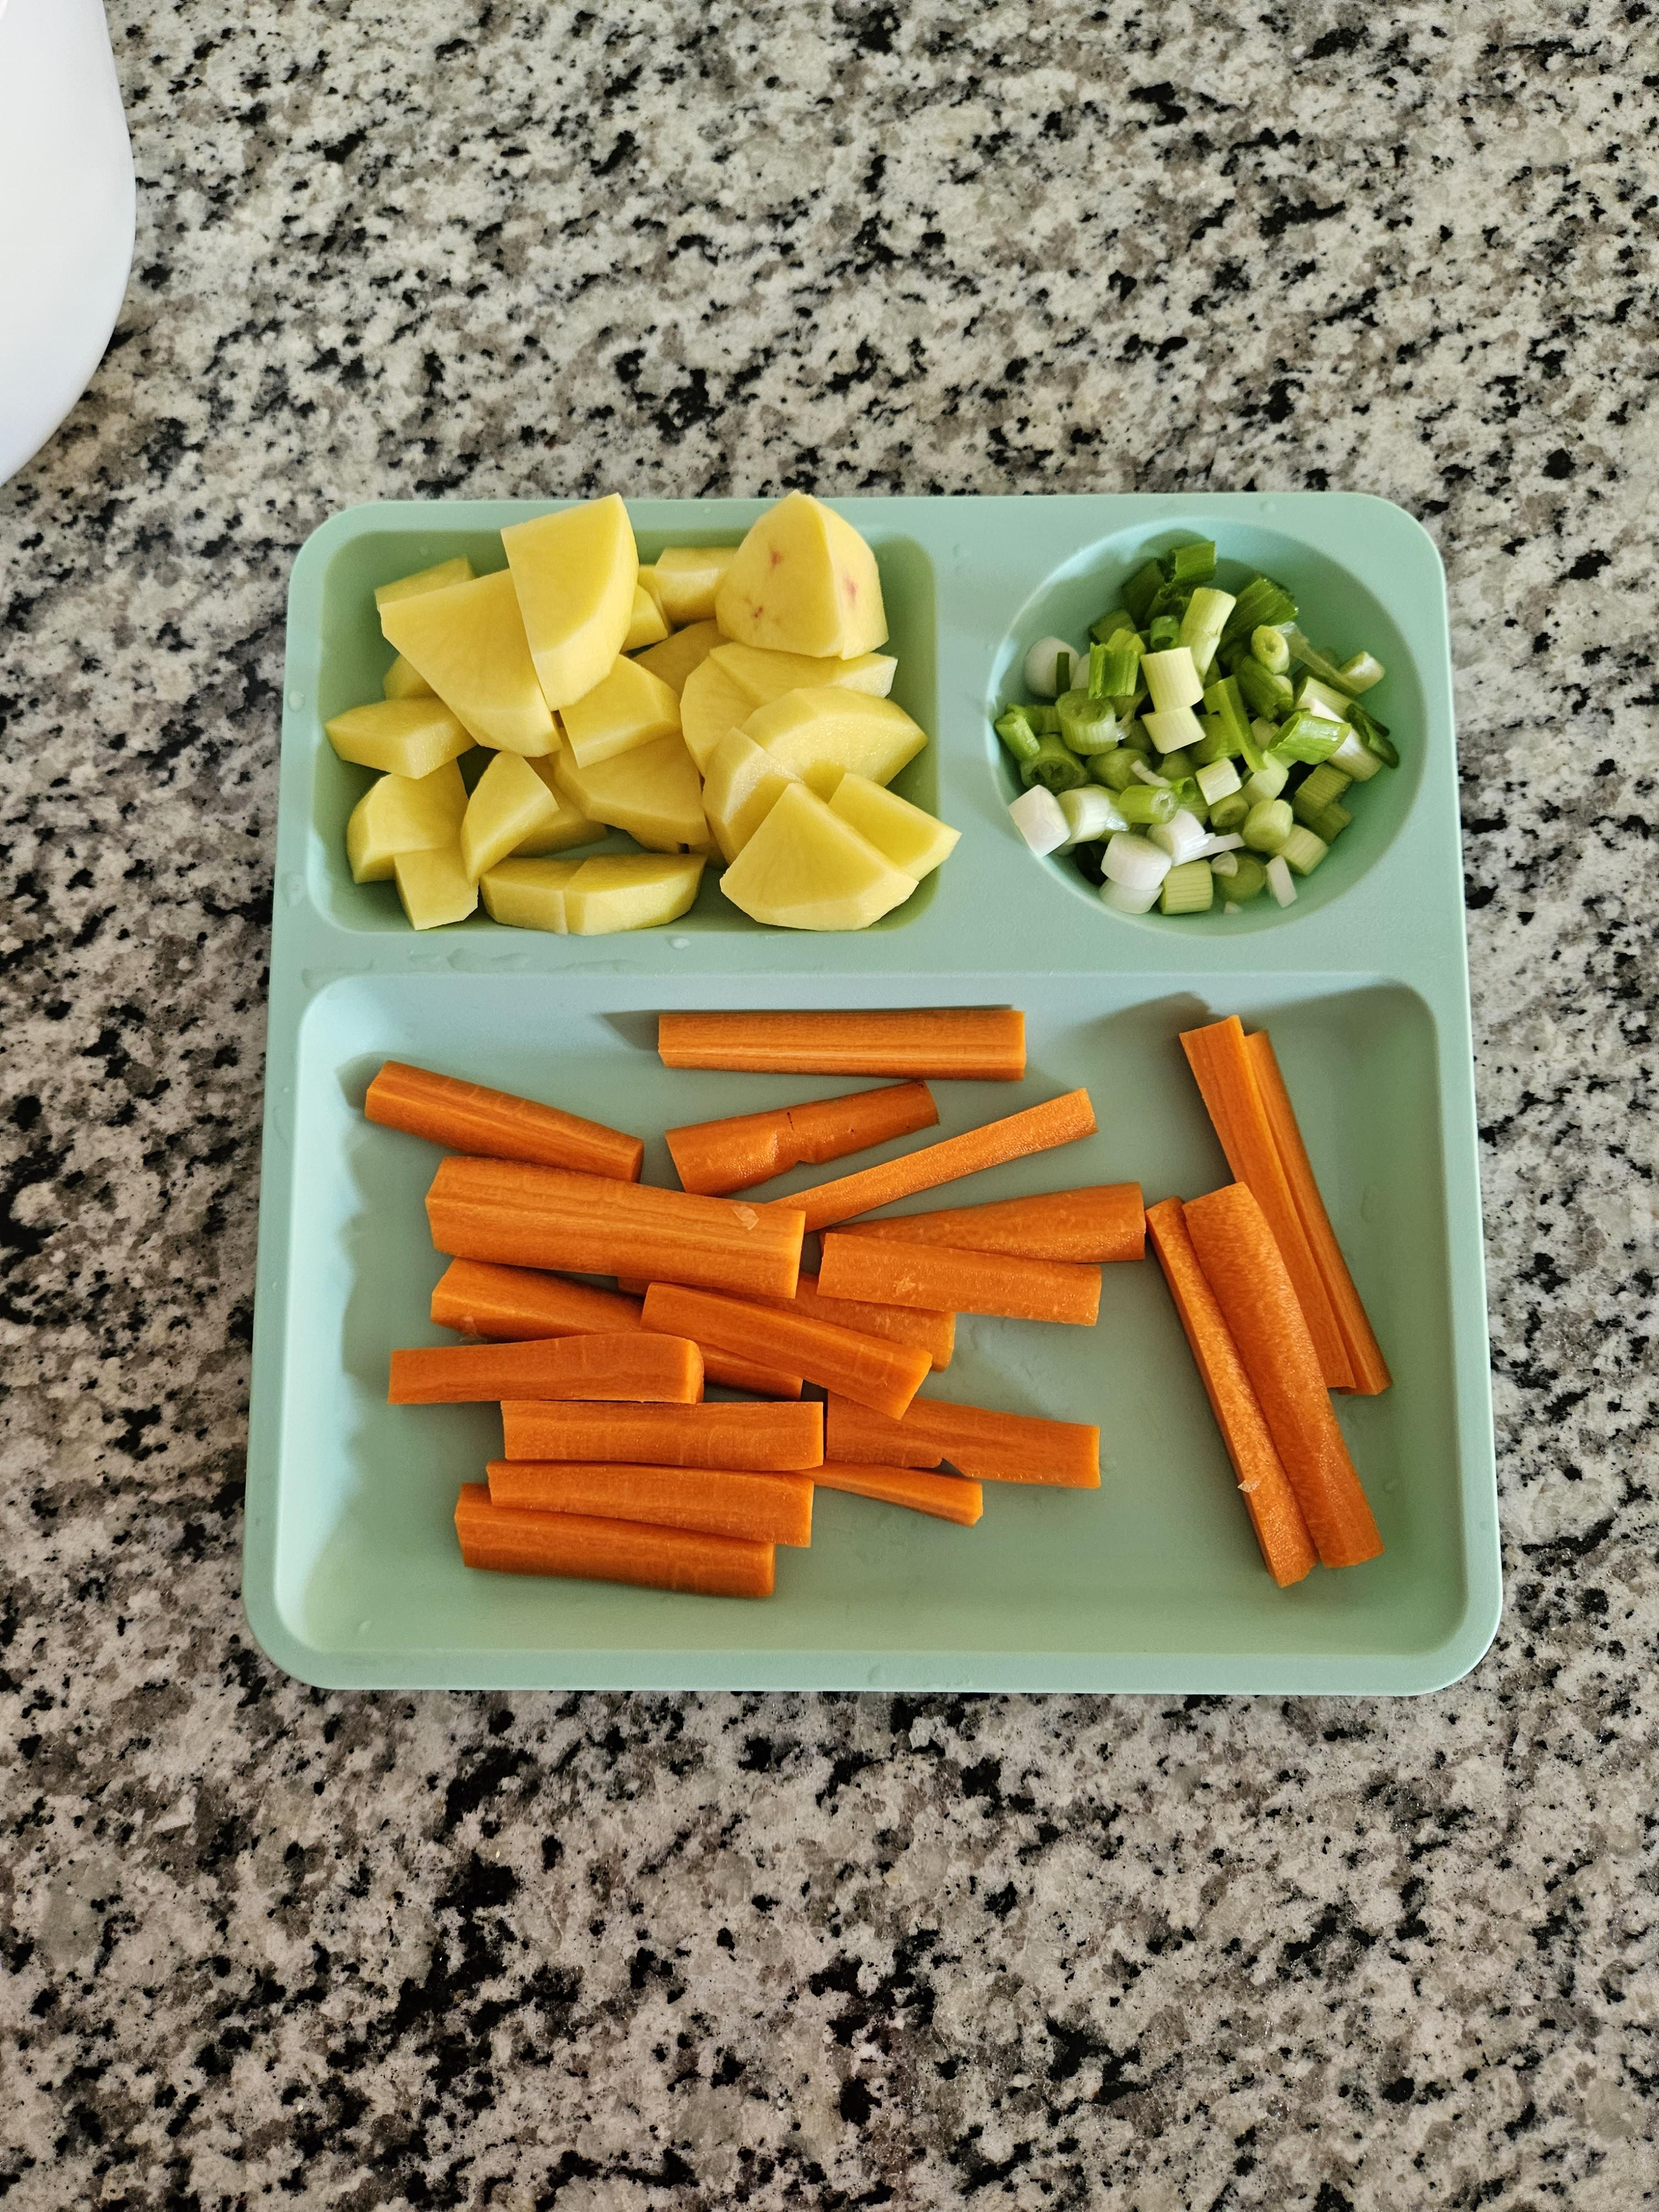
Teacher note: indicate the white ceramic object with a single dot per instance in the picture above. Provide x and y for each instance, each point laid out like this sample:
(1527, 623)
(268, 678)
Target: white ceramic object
(66, 188)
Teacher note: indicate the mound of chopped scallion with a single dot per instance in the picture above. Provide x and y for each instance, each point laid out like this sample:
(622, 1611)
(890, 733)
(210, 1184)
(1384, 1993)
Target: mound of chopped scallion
(1199, 752)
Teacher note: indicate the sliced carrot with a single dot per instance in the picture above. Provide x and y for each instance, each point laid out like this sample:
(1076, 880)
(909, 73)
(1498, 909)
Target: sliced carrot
(776, 1439)
(869, 1369)
(509, 1542)
(494, 1125)
(946, 1496)
(1252, 1285)
(935, 1333)
(535, 1217)
(1280, 1530)
(1056, 1122)
(936, 1276)
(1226, 1080)
(1369, 1367)
(720, 1157)
(981, 1044)
(649, 1369)
(993, 1446)
(480, 1299)
(1102, 1223)
(768, 1509)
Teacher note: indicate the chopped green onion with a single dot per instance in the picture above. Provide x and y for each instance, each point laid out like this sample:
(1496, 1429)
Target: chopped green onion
(1173, 727)
(1321, 786)
(1263, 692)
(1190, 888)
(1122, 900)
(1171, 678)
(1307, 737)
(1215, 745)
(1192, 563)
(1328, 822)
(1225, 699)
(1042, 671)
(1317, 664)
(1114, 770)
(1036, 815)
(1086, 724)
(1362, 671)
(1202, 624)
(1227, 815)
(1091, 813)
(1144, 804)
(1313, 697)
(1356, 759)
(1145, 773)
(1102, 632)
(1281, 881)
(1303, 851)
(1135, 862)
(1044, 718)
(1269, 650)
(1262, 603)
(1180, 762)
(1268, 781)
(1162, 633)
(1180, 836)
(1268, 824)
(1219, 780)
(1013, 727)
(1248, 880)
(1376, 743)
(1142, 588)
(1055, 765)
(1119, 664)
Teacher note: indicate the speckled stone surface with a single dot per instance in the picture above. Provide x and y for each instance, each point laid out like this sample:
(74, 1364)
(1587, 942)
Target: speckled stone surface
(262, 1944)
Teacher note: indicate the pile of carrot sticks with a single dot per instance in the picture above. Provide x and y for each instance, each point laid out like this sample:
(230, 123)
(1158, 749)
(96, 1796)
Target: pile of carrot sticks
(615, 1466)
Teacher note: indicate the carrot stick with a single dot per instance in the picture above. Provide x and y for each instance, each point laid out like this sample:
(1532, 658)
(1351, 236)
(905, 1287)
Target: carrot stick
(768, 1509)
(652, 1369)
(537, 1217)
(776, 1439)
(1280, 1530)
(1037, 1129)
(1244, 1267)
(469, 1118)
(718, 1157)
(869, 1369)
(946, 1496)
(981, 1044)
(935, 1333)
(1102, 1223)
(513, 1542)
(991, 1446)
(516, 1302)
(935, 1276)
(1226, 1080)
(1369, 1369)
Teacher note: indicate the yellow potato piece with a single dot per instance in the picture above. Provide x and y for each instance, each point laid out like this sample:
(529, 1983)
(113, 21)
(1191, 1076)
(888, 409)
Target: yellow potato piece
(676, 657)
(802, 581)
(404, 814)
(648, 582)
(402, 737)
(528, 894)
(822, 733)
(435, 887)
(458, 571)
(710, 705)
(909, 837)
(468, 641)
(570, 826)
(630, 891)
(766, 676)
(687, 577)
(654, 793)
(740, 789)
(629, 708)
(403, 682)
(509, 803)
(804, 868)
(647, 625)
(575, 572)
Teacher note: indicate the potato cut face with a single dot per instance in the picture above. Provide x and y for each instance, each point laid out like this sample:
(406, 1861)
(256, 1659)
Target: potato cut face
(468, 641)
(743, 785)
(399, 737)
(404, 814)
(823, 733)
(574, 574)
(767, 676)
(401, 681)
(804, 868)
(647, 625)
(679, 655)
(687, 577)
(710, 705)
(509, 803)
(802, 581)
(654, 793)
(568, 827)
(528, 894)
(628, 708)
(458, 571)
(631, 890)
(434, 888)
(911, 839)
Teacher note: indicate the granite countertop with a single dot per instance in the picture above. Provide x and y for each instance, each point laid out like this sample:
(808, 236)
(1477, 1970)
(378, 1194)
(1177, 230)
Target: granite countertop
(262, 1944)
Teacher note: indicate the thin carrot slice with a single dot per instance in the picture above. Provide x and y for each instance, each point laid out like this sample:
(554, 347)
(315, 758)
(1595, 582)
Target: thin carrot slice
(935, 1333)
(1226, 1080)
(717, 1158)
(981, 1044)
(1244, 1267)
(1103, 1223)
(767, 1509)
(509, 1542)
(650, 1370)
(535, 1217)
(480, 1299)
(494, 1125)
(1286, 1548)
(1038, 1129)
(935, 1276)
(946, 1496)
(869, 1369)
(1365, 1360)
(775, 1439)
(992, 1446)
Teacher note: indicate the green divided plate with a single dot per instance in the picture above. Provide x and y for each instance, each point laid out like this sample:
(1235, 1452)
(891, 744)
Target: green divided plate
(352, 1577)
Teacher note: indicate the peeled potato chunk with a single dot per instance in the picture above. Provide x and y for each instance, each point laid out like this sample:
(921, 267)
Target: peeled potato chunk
(676, 657)
(654, 793)
(570, 826)
(404, 814)
(909, 837)
(630, 891)
(435, 887)
(525, 894)
(804, 868)
(509, 803)
(710, 705)
(646, 625)
(401, 736)
(458, 571)
(766, 676)
(575, 572)
(629, 707)
(403, 682)
(802, 581)
(468, 641)
(742, 787)
(687, 577)
(821, 734)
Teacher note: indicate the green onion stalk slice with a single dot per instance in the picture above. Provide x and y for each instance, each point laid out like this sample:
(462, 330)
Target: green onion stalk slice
(1307, 737)
(1120, 665)
(1171, 678)
(1087, 724)
(1317, 664)
(1262, 692)
(1142, 588)
(1114, 770)
(1329, 822)
(1135, 862)
(1091, 814)
(1262, 604)
(1281, 881)
(1190, 888)
(1163, 632)
(1225, 699)
(1172, 729)
(1302, 852)
(1013, 727)
(1268, 824)
(1269, 780)
(1313, 697)
(1192, 563)
(1248, 879)
(1182, 836)
(1144, 804)
(1122, 900)
(1362, 671)
(1103, 631)
(1229, 814)
(1202, 624)
(1215, 745)
(1269, 648)
(1055, 765)
(1038, 815)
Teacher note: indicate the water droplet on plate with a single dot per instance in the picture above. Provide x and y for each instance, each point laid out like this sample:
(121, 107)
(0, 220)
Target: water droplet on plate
(679, 944)
(296, 700)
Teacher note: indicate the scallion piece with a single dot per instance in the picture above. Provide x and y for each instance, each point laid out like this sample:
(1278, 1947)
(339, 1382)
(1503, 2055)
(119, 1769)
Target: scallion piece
(1248, 879)
(1307, 737)
(1215, 745)
(1355, 758)
(1263, 692)
(1202, 624)
(1162, 633)
(1173, 727)
(1180, 836)
(1178, 765)
(1119, 664)
(1382, 746)
(1227, 815)
(1142, 588)
(1055, 765)
(1135, 862)
(1262, 603)
(1042, 671)
(1218, 779)
(1281, 881)
(1013, 727)
(1321, 786)
(1268, 781)
(1226, 701)
(1267, 647)
(1171, 678)
(1268, 824)
(1302, 851)
(1087, 724)
(1091, 814)
(1362, 671)
(1190, 888)
(1036, 815)
(1122, 900)
(1313, 697)
(1316, 663)
(1103, 632)
(1192, 563)
(1328, 822)
(1144, 804)
(1114, 770)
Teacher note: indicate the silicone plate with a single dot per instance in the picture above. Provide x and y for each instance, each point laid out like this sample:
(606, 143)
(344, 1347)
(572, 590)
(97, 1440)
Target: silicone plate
(1153, 1584)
